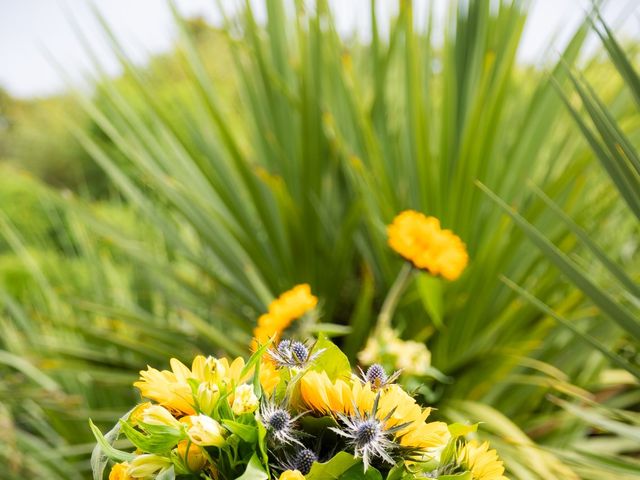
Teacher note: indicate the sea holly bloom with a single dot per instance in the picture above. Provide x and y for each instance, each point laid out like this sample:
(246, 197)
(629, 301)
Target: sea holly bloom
(482, 462)
(245, 400)
(288, 307)
(293, 354)
(279, 422)
(369, 436)
(420, 240)
(377, 377)
(301, 460)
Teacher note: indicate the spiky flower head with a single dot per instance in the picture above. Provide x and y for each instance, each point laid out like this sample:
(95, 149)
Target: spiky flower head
(303, 460)
(279, 423)
(293, 354)
(369, 436)
(377, 377)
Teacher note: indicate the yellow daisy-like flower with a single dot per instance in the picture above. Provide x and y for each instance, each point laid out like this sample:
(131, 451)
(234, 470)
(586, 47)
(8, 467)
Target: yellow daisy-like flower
(289, 306)
(291, 475)
(483, 463)
(322, 395)
(171, 389)
(421, 240)
(119, 472)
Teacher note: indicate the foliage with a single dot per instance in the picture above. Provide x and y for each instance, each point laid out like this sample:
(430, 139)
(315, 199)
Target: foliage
(232, 203)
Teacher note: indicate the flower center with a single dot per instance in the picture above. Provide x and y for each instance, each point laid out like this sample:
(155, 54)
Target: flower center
(367, 432)
(279, 420)
(299, 351)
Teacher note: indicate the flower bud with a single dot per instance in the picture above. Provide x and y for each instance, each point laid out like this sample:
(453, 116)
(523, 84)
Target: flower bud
(205, 431)
(157, 415)
(119, 472)
(146, 465)
(245, 400)
(207, 396)
(192, 455)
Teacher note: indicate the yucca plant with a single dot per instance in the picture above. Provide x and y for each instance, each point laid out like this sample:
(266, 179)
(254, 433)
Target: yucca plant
(295, 182)
(615, 293)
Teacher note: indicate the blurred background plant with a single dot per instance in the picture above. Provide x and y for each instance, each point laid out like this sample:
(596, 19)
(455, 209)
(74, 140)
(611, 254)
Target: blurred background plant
(265, 154)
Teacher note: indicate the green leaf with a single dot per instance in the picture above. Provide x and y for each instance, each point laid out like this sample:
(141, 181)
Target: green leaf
(430, 290)
(334, 468)
(160, 439)
(248, 433)
(357, 472)
(107, 448)
(461, 430)
(332, 360)
(255, 470)
(168, 474)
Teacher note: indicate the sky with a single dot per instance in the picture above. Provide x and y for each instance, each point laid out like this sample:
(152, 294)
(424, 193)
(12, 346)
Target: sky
(33, 32)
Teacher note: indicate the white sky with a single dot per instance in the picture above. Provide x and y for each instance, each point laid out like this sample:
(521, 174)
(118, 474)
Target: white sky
(29, 28)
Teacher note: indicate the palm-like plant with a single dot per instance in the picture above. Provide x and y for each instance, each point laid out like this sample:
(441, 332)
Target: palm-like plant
(239, 201)
(615, 293)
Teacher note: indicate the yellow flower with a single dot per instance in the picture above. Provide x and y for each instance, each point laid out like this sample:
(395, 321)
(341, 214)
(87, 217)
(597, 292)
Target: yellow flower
(192, 455)
(291, 475)
(146, 465)
(171, 389)
(136, 414)
(204, 431)
(245, 400)
(269, 377)
(322, 395)
(421, 240)
(289, 306)
(483, 463)
(119, 472)
(207, 397)
(157, 415)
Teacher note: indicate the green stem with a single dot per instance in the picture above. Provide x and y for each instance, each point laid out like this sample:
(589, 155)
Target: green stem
(395, 292)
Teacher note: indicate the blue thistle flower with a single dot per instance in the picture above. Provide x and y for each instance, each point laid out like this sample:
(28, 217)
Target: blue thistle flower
(293, 354)
(368, 436)
(279, 423)
(377, 376)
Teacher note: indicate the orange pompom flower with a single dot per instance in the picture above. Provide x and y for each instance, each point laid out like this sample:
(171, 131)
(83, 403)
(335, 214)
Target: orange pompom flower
(288, 307)
(420, 240)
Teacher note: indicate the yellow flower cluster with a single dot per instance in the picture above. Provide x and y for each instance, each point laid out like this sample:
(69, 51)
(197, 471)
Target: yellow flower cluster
(288, 307)
(171, 389)
(483, 463)
(322, 395)
(421, 240)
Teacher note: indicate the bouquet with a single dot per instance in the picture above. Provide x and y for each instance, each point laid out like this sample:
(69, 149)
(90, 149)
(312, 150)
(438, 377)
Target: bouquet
(296, 409)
